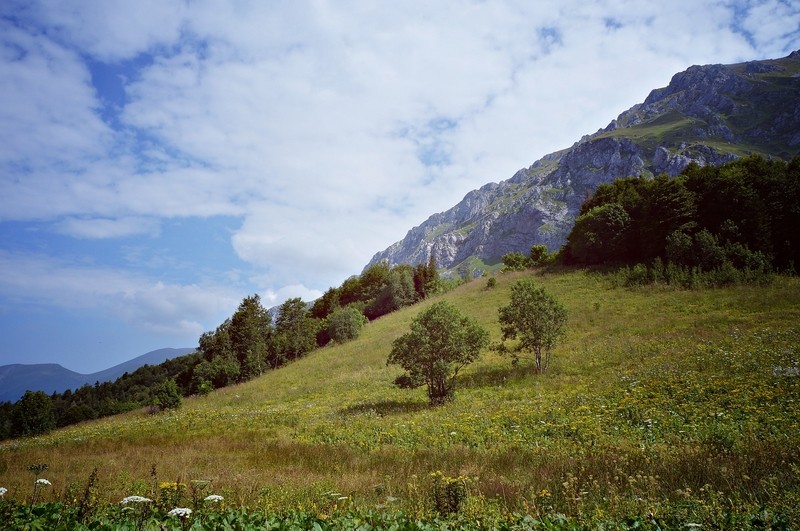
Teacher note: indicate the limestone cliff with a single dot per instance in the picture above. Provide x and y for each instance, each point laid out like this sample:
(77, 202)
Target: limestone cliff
(707, 114)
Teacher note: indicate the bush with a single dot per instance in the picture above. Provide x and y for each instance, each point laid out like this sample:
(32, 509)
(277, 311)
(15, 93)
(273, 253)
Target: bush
(345, 324)
(441, 342)
(167, 396)
(539, 255)
(515, 261)
(448, 493)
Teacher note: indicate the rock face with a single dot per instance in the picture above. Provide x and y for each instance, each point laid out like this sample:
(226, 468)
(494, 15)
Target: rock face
(707, 114)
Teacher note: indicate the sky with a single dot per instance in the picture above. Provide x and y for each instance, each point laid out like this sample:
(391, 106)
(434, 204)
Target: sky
(161, 160)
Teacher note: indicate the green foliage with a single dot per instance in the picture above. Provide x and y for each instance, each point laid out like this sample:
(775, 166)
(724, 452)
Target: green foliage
(491, 283)
(326, 304)
(741, 215)
(250, 332)
(345, 324)
(538, 255)
(426, 279)
(536, 318)
(295, 331)
(600, 235)
(441, 342)
(448, 493)
(32, 414)
(372, 281)
(515, 261)
(167, 396)
(397, 291)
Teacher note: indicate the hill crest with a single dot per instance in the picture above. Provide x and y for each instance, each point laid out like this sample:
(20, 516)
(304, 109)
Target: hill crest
(17, 378)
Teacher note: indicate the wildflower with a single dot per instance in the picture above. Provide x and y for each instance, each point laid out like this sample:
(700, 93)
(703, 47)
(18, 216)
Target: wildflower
(43, 481)
(180, 512)
(135, 499)
(214, 498)
(3, 491)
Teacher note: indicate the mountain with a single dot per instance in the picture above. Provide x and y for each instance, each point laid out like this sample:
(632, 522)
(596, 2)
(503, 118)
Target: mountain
(707, 114)
(49, 377)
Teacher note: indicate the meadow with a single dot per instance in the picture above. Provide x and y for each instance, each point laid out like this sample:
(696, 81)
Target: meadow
(662, 408)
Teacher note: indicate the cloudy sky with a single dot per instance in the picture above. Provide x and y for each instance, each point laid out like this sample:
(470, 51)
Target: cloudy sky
(160, 160)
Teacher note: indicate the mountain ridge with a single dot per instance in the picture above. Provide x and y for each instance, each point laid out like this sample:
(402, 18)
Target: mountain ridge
(709, 114)
(16, 378)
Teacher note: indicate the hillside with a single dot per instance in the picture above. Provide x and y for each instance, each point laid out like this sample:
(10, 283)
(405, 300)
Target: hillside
(708, 114)
(677, 403)
(50, 377)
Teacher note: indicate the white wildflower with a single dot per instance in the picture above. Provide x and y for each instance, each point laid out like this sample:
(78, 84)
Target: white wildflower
(43, 481)
(214, 498)
(3, 491)
(181, 512)
(135, 499)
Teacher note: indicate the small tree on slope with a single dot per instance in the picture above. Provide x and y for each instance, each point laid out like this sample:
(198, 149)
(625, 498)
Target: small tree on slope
(441, 342)
(536, 318)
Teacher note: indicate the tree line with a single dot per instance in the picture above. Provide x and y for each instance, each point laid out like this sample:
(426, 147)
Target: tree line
(728, 221)
(742, 216)
(243, 347)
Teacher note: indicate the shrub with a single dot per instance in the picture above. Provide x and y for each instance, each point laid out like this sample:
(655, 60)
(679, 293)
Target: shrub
(515, 261)
(441, 342)
(536, 318)
(345, 324)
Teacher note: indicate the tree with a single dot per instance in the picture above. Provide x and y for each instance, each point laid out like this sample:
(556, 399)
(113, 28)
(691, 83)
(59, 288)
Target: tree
(295, 331)
(250, 332)
(599, 235)
(345, 324)
(538, 255)
(327, 304)
(426, 278)
(33, 414)
(397, 291)
(515, 261)
(534, 317)
(167, 395)
(441, 342)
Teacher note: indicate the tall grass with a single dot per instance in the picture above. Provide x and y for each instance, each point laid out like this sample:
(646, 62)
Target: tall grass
(661, 401)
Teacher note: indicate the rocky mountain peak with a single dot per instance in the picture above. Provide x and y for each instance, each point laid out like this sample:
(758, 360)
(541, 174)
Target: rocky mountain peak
(708, 114)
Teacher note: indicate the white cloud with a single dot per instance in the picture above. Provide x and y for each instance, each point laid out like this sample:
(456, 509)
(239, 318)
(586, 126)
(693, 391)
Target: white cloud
(329, 128)
(151, 305)
(274, 298)
(774, 25)
(48, 110)
(102, 228)
(111, 29)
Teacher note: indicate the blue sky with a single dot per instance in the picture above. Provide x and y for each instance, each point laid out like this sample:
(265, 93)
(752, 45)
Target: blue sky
(160, 160)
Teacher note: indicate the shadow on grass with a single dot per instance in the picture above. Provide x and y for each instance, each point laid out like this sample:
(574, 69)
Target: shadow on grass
(495, 376)
(385, 407)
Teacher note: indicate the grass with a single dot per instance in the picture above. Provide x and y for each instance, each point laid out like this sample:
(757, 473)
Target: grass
(680, 405)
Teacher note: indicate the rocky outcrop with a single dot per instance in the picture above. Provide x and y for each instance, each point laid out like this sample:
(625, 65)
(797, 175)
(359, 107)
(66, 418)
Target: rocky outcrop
(707, 115)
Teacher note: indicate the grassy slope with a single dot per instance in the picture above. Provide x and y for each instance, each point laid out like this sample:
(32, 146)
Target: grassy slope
(655, 394)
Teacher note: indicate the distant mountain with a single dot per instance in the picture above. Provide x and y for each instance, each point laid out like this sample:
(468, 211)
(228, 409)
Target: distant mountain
(49, 377)
(708, 114)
